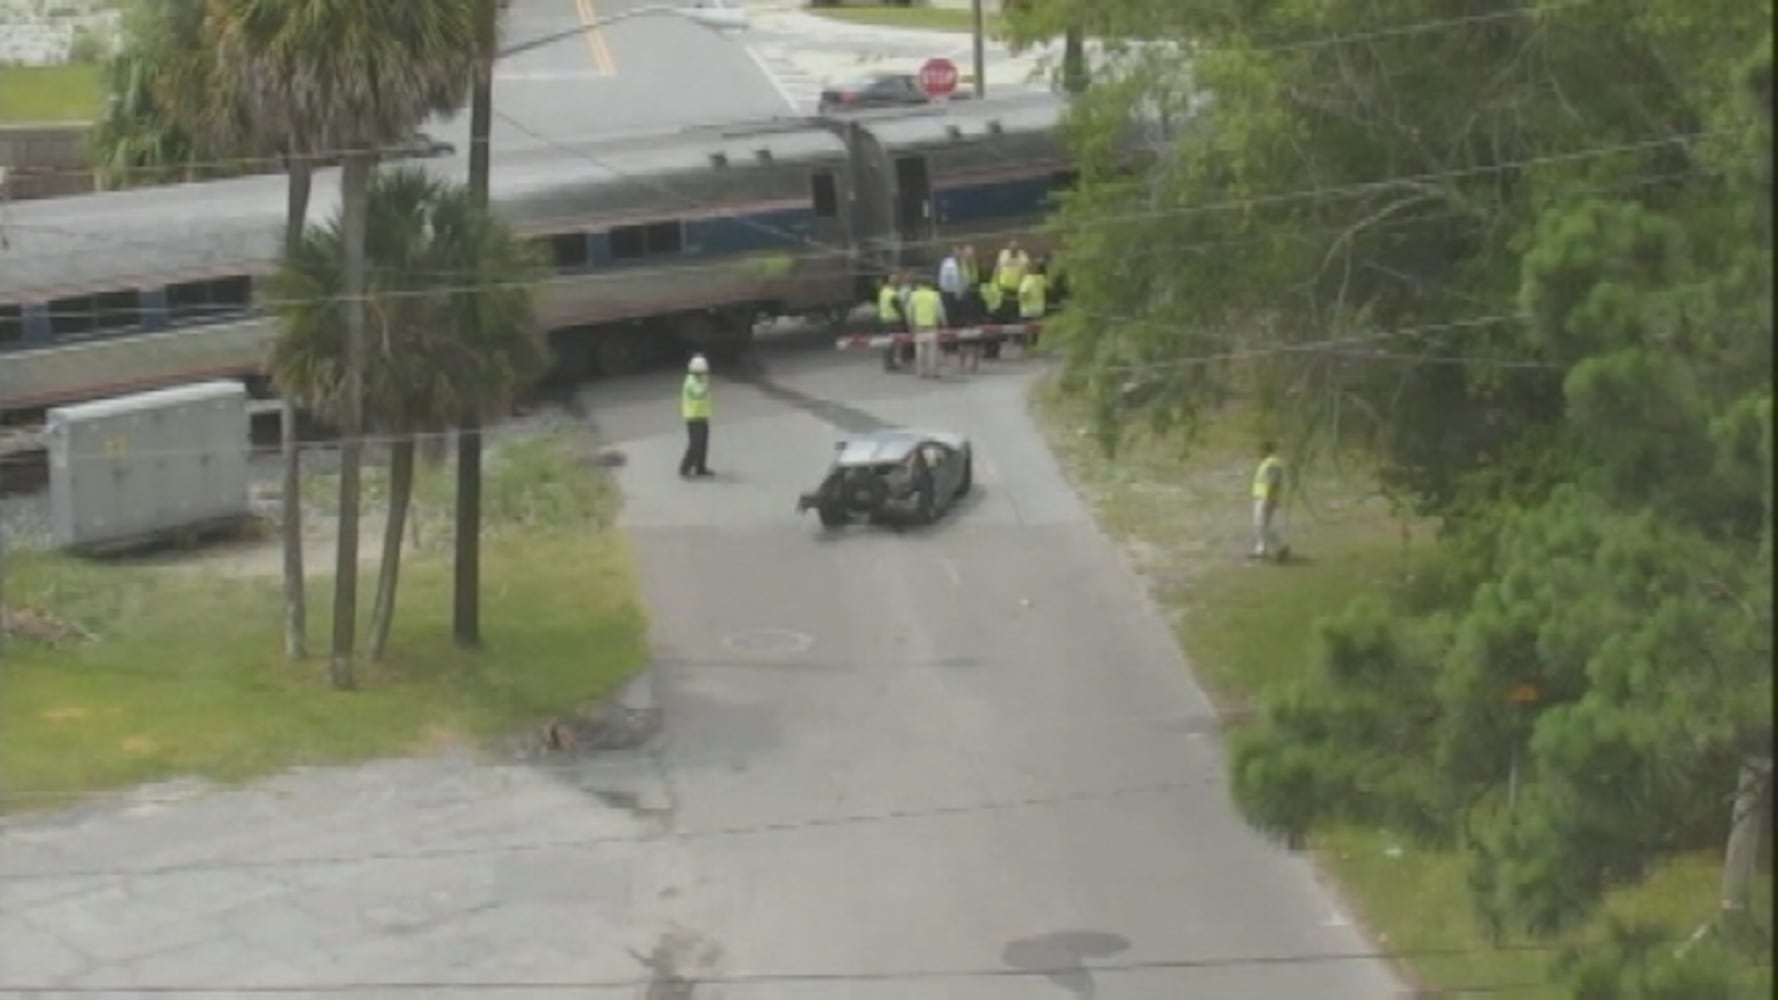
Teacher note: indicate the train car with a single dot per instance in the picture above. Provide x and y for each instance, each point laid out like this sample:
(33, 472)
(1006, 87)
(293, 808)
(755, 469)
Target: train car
(688, 235)
(673, 241)
(977, 173)
(684, 240)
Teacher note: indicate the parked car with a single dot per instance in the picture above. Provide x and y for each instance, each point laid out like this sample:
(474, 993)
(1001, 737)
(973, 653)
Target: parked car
(895, 477)
(873, 90)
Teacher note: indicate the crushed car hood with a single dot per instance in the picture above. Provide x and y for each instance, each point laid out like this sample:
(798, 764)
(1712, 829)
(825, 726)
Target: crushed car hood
(883, 446)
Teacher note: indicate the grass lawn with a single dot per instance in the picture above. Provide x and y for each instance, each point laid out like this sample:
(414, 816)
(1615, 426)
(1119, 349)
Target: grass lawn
(929, 18)
(1182, 515)
(185, 675)
(34, 94)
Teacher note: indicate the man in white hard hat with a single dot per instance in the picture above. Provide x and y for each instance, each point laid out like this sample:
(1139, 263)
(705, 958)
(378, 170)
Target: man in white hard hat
(694, 406)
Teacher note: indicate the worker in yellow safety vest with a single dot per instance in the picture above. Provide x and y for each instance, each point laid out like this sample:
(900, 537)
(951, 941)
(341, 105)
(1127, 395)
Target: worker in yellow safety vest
(926, 314)
(694, 406)
(891, 321)
(1268, 494)
(1010, 268)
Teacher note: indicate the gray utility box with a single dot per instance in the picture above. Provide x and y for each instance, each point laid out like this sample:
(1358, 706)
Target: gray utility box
(137, 468)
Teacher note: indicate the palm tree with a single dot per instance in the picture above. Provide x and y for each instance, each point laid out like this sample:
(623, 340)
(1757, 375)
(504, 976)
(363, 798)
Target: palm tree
(454, 331)
(168, 117)
(346, 76)
(161, 112)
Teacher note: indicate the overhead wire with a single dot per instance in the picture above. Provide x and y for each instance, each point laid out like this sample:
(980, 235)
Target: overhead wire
(686, 979)
(770, 828)
(1368, 35)
(1306, 347)
(1284, 197)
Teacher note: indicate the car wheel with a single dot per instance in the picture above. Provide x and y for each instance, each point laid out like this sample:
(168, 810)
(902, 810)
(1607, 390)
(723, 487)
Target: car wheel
(832, 516)
(968, 479)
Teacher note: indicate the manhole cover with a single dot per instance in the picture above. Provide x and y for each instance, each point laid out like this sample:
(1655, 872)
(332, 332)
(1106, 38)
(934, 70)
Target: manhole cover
(768, 642)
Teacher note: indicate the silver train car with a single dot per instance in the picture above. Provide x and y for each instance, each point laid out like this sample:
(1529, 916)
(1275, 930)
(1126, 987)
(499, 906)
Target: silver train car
(658, 243)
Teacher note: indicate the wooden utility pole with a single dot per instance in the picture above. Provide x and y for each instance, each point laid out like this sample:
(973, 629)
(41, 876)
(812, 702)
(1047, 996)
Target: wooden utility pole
(1746, 825)
(466, 580)
(981, 51)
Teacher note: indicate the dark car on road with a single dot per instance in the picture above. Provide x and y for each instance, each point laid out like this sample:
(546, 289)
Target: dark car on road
(873, 90)
(893, 477)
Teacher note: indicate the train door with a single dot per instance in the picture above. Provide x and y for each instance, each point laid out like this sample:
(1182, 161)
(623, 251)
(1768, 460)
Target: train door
(913, 204)
(871, 209)
(827, 197)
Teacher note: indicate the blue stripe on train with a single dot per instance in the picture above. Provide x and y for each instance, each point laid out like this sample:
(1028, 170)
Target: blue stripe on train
(997, 199)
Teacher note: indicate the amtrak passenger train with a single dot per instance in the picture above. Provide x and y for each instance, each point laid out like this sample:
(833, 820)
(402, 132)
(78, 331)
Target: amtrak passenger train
(659, 243)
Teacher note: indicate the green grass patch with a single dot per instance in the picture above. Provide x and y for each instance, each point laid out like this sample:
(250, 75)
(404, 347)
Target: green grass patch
(927, 18)
(185, 674)
(1182, 513)
(37, 94)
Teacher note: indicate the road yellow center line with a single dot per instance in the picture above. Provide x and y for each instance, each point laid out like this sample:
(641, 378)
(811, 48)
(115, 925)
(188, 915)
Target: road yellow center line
(595, 38)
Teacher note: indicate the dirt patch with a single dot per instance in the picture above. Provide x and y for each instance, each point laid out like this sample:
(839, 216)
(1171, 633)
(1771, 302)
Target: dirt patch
(37, 625)
(438, 740)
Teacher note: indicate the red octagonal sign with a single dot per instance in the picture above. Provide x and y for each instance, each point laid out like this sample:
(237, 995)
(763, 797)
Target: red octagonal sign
(938, 77)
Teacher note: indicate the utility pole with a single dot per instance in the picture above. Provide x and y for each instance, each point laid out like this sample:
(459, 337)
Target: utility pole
(466, 580)
(1746, 823)
(981, 51)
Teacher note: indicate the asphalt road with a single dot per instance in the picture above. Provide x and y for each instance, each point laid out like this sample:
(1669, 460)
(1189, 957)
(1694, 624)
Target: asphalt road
(645, 74)
(965, 762)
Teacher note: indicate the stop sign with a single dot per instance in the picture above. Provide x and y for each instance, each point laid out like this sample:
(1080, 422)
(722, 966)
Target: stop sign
(938, 77)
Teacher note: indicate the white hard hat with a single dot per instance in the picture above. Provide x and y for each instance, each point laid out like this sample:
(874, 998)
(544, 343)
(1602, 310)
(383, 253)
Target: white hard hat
(698, 365)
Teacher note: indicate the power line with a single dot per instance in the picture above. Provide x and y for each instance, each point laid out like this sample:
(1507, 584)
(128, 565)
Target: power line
(743, 980)
(1409, 28)
(567, 843)
(1352, 189)
(1310, 347)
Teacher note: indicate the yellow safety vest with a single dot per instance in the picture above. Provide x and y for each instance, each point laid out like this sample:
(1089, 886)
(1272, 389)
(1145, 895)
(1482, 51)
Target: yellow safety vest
(968, 268)
(1262, 475)
(694, 398)
(887, 309)
(924, 305)
(991, 296)
(1031, 293)
(1012, 271)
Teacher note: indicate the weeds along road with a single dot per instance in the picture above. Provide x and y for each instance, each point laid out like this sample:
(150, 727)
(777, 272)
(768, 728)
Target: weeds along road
(963, 762)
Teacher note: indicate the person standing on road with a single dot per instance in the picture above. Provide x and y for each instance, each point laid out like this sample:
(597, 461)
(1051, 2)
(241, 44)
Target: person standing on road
(951, 283)
(1268, 493)
(890, 319)
(694, 406)
(972, 273)
(926, 314)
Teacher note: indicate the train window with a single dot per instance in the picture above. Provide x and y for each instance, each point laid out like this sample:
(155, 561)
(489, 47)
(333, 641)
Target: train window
(651, 240)
(827, 194)
(200, 300)
(628, 243)
(83, 314)
(665, 237)
(71, 317)
(12, 324)
(568, 251)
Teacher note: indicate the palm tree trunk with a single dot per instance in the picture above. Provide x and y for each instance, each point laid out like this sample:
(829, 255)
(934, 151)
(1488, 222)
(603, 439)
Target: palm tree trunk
(296, 616)
(1074, 61)
(466, 626)
(355, 185)
(401, 492)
